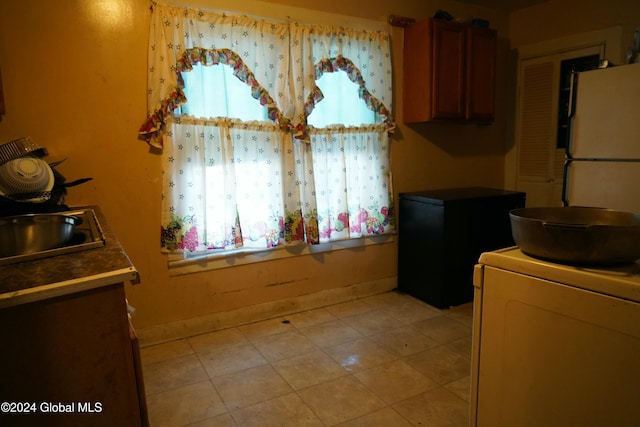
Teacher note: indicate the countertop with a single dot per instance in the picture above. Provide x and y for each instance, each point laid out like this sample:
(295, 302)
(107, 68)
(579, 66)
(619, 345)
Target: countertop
(64, 274)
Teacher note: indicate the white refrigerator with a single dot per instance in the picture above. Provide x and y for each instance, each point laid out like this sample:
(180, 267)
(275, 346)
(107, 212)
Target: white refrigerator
(559, 345)
(603, 155)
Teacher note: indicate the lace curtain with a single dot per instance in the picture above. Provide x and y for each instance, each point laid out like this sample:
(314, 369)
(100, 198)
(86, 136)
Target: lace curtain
(231, 183)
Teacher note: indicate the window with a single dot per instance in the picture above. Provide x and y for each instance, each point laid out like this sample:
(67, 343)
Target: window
(341, 104)
(215, 92)
(258, 152)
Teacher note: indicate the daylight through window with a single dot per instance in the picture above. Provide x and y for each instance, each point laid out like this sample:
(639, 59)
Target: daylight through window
(257, 151)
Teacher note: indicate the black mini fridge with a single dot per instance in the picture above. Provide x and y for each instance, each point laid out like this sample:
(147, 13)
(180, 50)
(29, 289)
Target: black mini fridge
(441, 234)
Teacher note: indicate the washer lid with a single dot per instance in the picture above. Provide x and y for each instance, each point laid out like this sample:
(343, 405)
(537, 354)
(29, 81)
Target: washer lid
(622, 282)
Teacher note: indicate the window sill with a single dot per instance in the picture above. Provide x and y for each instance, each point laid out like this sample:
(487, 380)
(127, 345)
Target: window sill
(180, 265)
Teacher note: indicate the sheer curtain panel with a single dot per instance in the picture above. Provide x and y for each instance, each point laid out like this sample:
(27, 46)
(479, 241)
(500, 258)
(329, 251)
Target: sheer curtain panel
(229, 104)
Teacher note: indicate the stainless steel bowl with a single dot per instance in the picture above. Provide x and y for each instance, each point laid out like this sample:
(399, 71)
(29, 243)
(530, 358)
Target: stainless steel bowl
(25, 234)
(577, 235)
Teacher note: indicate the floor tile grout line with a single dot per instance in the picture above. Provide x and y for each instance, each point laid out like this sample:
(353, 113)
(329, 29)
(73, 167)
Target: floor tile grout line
(293, 389)
(317, 347)
(213, 383)
(297, 391)
(195, 381)
(458, 317)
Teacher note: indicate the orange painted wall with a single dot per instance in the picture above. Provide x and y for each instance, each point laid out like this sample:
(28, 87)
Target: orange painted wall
(74, 74)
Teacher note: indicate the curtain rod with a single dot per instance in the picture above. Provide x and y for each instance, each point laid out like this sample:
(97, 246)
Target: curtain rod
(227, 12)
(288, 19)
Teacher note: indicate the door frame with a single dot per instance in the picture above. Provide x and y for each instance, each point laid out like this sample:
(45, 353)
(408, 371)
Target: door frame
(609, 37)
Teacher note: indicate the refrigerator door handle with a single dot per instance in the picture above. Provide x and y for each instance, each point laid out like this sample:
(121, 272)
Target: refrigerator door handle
(573, 90)
(565, 179)
(573, 81)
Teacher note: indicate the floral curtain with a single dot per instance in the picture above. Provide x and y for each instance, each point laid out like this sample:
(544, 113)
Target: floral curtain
(218, 171)
(352, 170)
(230, 183)
(364, 56)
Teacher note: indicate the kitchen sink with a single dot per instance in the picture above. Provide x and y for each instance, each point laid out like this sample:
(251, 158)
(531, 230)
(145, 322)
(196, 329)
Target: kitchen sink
(86, 234)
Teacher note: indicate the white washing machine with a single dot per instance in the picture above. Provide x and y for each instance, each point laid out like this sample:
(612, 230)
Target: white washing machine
(554, 345)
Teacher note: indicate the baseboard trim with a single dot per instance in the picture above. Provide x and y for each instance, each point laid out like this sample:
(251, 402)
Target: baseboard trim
(242, 316)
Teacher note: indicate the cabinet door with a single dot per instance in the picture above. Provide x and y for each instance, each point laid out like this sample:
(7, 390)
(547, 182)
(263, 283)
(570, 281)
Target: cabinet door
(449, 72)
(481, 60)
(417, 72)
(448, 84)
(72, 349)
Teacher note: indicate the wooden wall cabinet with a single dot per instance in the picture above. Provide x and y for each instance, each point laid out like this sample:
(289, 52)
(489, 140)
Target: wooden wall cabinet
(449, 72)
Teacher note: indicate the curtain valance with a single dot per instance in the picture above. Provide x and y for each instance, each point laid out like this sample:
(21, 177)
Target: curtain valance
(280, 61)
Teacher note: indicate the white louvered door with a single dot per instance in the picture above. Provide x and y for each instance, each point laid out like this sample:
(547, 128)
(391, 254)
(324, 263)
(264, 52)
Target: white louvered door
(537, 118)
(540, 163)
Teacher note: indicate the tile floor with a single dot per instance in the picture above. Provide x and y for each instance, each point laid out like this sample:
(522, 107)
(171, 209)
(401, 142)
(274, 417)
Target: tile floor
(385, 360)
